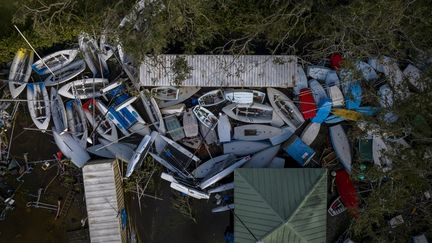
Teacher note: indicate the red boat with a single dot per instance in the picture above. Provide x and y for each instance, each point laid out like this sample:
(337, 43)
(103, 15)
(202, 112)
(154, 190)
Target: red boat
(348, 194)
(307, 103)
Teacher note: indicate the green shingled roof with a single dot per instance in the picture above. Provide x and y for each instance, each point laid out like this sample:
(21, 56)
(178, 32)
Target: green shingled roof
(280, 205)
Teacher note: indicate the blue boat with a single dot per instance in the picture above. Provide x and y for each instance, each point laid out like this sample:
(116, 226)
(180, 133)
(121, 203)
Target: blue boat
(298, 150)
(324, 109)
(353, 95)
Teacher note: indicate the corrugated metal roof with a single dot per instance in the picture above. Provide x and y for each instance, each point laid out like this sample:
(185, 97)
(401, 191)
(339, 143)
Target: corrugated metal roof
(222, 70)
(280, 205)
(101, 200)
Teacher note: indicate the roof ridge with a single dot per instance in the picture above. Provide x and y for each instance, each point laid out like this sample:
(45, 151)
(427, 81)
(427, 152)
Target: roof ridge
(306, 198)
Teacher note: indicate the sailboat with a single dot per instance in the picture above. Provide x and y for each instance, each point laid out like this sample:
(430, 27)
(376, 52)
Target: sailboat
(212, 98)
(263, 158)
(184, 93)
(165, 93)
(39, 105)
(222, 170)
(244, 96)
(92, 55)
(250, 113)
(140, 152)
(66, 73)
(76, 121)
(83, 88)
(54, 61)
(203, 169)
(20, 71)
(224, 129)
(98, 120)
(255, 132)
(341, 146)
(190, 124)
(71, 148)
(58, 112)
(205, 116)
(152, 110)
(285, 108)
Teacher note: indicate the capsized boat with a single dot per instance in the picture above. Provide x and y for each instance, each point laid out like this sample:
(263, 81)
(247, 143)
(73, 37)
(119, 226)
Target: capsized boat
(121, 151)
(244, 96)
(203, 169)
(205, 116)
(242, 148)
(301, 81)
(190, 124)
(83, 88)
(54, 61)
(212, 98)
(221, 171)
(255, 132)
(332, 79)
(140, 152)
(285, 134)
(101, 151)
(336, 96)
(250, 113)
(222, 188)
(20, 71)
(71, 148)
(307, 104)
(298, 150)
(92, 55)
(263, 158)
(318, 91)
(318, 72)
(58, 112)
(310, 133)
(184, 93)
(189, 191)
(66, 73)
(153, 112)
(341, 146)
(77, 121)
(99, 120)
(165, 93)
(285, 108)
(224, 129)
(209, 135)
(39, 105)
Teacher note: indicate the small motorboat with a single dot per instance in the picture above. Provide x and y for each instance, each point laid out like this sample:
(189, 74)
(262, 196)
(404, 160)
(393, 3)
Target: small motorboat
(285, 108)
(242, 148)
(71, 148)
(190, 124)
(298, 150)
(250, 113)
(39, 105)
(93, 55)
(255, 132)
(301, 81)
(77, 121)
(263, 158)
(54, 61)
(203, 169)
(318, 72)
(99, 121)
(84, 88)
(307, 104)
(184, 93)
(58, 112)
(140, 152)
(165, 93)
(310, 133)
(221, 171)
(20, 71)
(205, 116)
(341, 146)
(224, 129)
(212, 98)
(153, 112)
(244, 96)
(66, 73)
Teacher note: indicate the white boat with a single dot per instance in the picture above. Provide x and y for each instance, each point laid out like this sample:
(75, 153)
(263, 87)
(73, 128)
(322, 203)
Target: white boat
(99, 121)
(66, 73)
(224, 129)
(332, 79)
(190, 124)
(120, 150)
(242, 148)
(286, 133)
(317, 72)
(140, 152)
(39, 105)
(336, 96)
(173, 127)
(20, 71)
(413, 74)
(54, 61)
(173, 110)
(178, 171)
(83, 89)
(203, 169)
(71, 148)
(113, 116)
(255, 132)
(184, 93)
(250, 113)
(221, 171)
(317, 90)
(76, 121)
(92, 54)
(341, 146)
(101, 151)
(165, 93)
(212, 98)
(152, 110)
(209, 135)
(192, 192)
(379, 148)
(222, 188)
(244, 96)
(205, 116)
(285, 108)
(58, 112)
(277, 163)
(263, 158)
(174, 152)
(301, 82)
(277, 120)
(223, 208)
(310, 133)
(367, 71)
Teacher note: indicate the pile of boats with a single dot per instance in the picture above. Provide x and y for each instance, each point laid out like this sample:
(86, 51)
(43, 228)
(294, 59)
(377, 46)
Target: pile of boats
(252, 128)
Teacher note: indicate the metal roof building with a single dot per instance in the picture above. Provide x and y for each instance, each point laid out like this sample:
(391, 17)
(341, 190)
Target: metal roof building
(220, 70)
(104, 199)
(280, 205)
